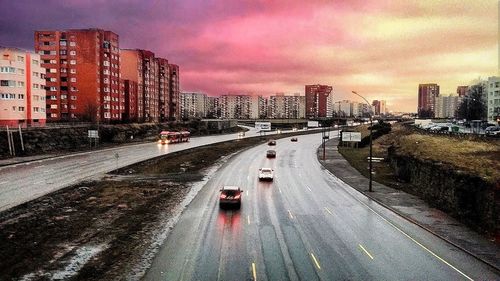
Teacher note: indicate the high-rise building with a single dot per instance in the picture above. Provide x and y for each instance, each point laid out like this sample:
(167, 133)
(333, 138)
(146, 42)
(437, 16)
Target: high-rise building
(462, 90)
(317, 100)
(235, 106)
(427, 93)
(140, 66)
(130, 90)
(379, 107)
(22, 88)
(82, 74)
(493, 100)
(343, 108)
(287, 106)
(212, 107)
(446, 106)
(163, 86)
(175, 109)
(193, 105)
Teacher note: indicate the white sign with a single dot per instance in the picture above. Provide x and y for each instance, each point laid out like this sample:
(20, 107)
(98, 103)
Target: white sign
(351, 136)
(93, 134)
(263, 126)
(312, 124)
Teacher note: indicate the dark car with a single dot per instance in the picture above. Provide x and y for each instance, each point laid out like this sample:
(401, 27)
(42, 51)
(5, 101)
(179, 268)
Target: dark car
(271, 154)
(492, 131)
(271, 142)
(230, 196)
(294, 139)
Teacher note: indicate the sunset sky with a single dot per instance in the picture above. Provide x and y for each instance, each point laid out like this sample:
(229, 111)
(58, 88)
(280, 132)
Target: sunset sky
(382, 49)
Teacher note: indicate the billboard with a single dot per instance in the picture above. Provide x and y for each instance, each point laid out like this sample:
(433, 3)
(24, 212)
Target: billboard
(351, 136)
(263, 126)
(312, 124)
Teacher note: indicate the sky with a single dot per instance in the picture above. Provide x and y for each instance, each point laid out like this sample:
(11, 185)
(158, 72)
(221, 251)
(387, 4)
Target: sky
(381, 49)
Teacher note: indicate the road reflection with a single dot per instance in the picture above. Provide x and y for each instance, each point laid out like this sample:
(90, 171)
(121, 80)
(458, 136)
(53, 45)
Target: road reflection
(229, 219)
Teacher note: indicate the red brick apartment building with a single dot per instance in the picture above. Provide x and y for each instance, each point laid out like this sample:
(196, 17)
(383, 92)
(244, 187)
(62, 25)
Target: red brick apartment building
(163, 82)
(82, 74)
(317, 100)
(175, 107)
(427, 94)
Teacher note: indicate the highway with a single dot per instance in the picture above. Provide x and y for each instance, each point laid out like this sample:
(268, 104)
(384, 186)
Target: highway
(23, 182)
(305, 225)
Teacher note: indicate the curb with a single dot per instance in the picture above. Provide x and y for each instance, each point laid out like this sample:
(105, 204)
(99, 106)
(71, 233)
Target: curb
(497, 268)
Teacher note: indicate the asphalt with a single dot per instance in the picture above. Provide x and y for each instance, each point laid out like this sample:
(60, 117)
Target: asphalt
(305, 225)
(412, 208)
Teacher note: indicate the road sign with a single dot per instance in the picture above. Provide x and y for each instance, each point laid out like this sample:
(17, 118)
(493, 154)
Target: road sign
(312, 124)
(351, 136)
(263, 126)
(93, 134)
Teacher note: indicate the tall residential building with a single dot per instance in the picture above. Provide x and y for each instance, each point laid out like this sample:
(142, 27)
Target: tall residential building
(163, 86)
(427, 94)
(235, 106)
(462, 90)
(317, 100)
(22, 88)
(379, 107)
(130, 90)
(212, 107)
(493, 101)
(343, 108)
(175, 109)
(140, 67)
(446, 106)
(82, 74)
(287, 106)
(193, 105)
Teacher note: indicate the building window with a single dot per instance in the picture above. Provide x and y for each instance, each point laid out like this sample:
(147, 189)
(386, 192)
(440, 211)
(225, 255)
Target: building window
(53, 53)
(7, 69)
(35, 109)
(63, 70)
(53, 89)
(63, 97)
(73, 106)
(53, 79)
(72, 62)
(73, 97)
(53, 115)
(35, 62)
(73, 89)
(20, 71)
(52, 70)
(72, 70)
(62, 43)
(53, 97)
(36, 74)
(62, 52)
(20, 96)
(72, 53)
(36, 86)
(72, 44)
(72, 79)
(20, 58)
(53, 106)
(20, 84)
(13, 108)
(21, 108)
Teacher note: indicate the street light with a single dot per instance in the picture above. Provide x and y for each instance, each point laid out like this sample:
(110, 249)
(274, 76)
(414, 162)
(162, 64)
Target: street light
(370, 189)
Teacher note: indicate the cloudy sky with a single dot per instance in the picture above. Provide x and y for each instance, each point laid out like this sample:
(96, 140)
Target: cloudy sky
(380, 48)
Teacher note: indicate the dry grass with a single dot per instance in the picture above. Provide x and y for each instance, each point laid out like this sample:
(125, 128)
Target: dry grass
(478, 157)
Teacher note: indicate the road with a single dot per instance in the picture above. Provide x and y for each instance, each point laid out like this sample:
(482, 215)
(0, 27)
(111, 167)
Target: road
(23, 182)
(306, 225)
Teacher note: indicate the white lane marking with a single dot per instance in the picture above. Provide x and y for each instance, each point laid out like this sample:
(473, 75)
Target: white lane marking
(254, 272)
(309, 188)
(415, 241)
(248, 219)
(279, 189)
(328, 210)
(315, 261)
(366, 252)
(247, 192)
(3, 182)
(290, 214)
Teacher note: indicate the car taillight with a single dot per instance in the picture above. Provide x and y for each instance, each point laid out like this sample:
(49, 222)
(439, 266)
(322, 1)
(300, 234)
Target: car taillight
(237, 196)
(222, 196)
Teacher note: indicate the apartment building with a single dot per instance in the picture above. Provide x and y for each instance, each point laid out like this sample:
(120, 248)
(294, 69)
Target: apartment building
(193, 105)
(446, 106)
(22, 88)
(462, 91)
(163, 85)
(287, 106)
(493, 99)
(212, 107)
(175, 108)
(427, 93)
(379, 107)
(235, 106)
(130, 89)
(319, 100)
(82, 74)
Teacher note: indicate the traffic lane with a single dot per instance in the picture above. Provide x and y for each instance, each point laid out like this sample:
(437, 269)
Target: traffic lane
(349, 219)
(26, 181)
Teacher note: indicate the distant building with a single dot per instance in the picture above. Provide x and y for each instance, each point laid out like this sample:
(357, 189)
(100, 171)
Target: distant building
(22, 88)
(130, 89)
(287, 106)
(319, 100)
(175, 109)
(163, 86)
(82, 74)
(427, 94)
(343, 108)
(212, 107)
(493, 99)
(462, 91)
(446, 106)
(193, 105)
(379, 107)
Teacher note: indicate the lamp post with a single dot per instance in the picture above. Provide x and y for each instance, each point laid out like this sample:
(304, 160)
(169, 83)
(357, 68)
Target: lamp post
(370, 189)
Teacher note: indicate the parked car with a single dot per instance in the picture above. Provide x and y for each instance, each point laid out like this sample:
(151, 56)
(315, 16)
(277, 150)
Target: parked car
(230, 196)
(271, 154)
(272, 142)
(492, 131)
(266, 174)
(294, 139)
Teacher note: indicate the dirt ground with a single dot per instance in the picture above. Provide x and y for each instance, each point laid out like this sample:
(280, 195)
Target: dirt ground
(99, 230)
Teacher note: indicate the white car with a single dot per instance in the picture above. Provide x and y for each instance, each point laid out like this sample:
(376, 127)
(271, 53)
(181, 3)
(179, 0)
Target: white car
(266, 174)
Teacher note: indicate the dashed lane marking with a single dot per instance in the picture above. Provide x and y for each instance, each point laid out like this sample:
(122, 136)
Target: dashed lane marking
(328, 210)
(290, 214)
(254, 272)
(366, 252)
(316, 262)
